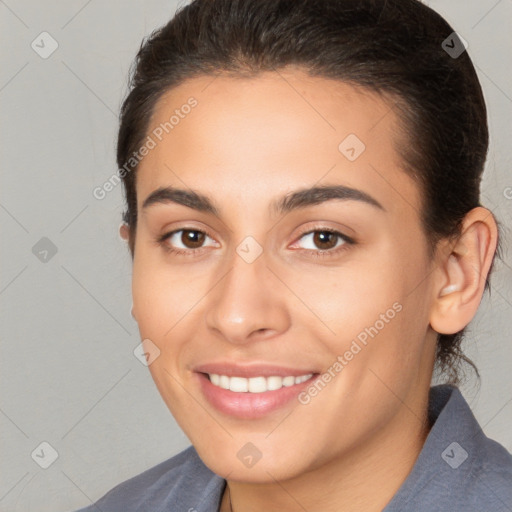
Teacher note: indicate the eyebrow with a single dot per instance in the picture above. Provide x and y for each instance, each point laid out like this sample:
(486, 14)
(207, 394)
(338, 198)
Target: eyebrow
(298, 199)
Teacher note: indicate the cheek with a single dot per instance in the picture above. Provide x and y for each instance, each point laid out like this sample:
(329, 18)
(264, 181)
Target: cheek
(346, 299)
(152, 303)
(162, 294)
(373, 310)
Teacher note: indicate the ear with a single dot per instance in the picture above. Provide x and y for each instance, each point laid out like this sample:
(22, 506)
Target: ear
(463, 270)
(124, 231)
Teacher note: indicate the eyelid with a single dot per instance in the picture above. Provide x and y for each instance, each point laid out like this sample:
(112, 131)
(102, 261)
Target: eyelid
(323, 228)
(176, 231)
(162, 239)
(168, 234)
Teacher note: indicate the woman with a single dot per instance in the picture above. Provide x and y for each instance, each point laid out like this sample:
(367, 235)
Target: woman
(302, 185)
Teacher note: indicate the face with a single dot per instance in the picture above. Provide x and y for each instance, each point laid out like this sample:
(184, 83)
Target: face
(284, 256)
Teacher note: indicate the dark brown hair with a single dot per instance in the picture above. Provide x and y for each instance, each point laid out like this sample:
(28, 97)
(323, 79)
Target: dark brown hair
(397, 48)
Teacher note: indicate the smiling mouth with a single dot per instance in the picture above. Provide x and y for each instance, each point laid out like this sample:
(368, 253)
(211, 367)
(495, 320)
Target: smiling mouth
(256, 384)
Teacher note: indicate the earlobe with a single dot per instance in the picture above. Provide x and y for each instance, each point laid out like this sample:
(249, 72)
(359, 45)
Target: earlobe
(124, 231)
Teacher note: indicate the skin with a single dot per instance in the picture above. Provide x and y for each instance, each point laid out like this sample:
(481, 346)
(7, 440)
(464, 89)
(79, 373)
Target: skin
(246, 143)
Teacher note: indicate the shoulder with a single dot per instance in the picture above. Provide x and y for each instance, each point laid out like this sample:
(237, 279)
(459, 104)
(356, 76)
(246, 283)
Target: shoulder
(182, 482)
(484, 477)
(489, 477)
(459, 467)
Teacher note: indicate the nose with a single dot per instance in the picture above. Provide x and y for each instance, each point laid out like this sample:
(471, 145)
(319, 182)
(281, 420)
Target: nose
(248, 303)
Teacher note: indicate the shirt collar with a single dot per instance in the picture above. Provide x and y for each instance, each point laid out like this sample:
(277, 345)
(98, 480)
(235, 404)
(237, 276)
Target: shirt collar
(454, 444)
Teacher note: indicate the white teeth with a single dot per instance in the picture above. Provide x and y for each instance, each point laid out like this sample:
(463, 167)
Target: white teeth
(224, 382)
(256, 384)
(289, 381)
(238, 384)
(274, 383)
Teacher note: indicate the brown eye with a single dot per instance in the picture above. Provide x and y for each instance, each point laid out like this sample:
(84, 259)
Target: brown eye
(325, 239)
(323, 242)
(192, 239)
(185, 241)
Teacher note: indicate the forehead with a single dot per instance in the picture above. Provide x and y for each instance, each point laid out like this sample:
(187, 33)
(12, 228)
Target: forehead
(270, 101)
(276, 130)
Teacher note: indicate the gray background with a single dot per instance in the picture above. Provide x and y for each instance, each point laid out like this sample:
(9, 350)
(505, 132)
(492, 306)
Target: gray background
(68, 373)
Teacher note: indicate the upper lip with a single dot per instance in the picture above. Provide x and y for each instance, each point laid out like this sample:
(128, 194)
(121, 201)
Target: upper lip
(252, 370)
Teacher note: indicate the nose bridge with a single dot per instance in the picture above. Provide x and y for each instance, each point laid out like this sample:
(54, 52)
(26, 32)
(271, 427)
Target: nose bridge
(245, 300)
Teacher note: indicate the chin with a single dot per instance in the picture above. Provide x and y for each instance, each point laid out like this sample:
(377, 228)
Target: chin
(242, 461)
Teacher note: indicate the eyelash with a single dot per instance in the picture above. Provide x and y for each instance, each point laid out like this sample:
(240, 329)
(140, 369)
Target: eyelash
(161, 241)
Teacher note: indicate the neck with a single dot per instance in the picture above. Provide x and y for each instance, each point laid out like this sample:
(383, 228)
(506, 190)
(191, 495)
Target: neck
(367, 478)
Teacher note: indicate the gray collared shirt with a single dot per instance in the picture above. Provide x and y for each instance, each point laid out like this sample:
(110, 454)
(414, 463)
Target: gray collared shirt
(458, 469)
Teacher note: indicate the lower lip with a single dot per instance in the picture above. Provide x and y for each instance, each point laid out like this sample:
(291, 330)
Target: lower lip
(250, 405)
